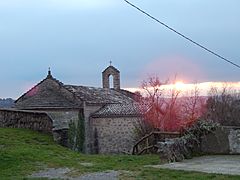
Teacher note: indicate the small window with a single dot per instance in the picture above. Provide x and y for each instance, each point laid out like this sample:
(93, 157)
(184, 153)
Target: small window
(111, 81)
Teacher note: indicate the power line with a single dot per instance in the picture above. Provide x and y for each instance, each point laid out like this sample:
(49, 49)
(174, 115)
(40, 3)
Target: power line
(183, 36)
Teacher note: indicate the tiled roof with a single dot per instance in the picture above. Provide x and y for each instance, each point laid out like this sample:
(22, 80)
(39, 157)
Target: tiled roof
(93, 95)
(51, 93)
(34, 87)
(113, 110)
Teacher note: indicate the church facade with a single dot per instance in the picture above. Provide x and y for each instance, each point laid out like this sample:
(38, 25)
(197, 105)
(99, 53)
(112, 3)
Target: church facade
(110, 114)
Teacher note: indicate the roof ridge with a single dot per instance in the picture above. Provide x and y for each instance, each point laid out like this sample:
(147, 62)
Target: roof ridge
(83, 86)
(110, 66)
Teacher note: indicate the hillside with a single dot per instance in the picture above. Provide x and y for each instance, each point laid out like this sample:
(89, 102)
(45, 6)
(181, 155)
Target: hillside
(23, 151)
(6, 103)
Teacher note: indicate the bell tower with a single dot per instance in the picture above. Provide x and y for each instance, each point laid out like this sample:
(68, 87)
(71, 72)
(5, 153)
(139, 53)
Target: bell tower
(115, 73)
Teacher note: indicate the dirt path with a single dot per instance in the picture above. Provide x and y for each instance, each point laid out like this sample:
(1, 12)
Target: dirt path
(220, 164)
(62, 173)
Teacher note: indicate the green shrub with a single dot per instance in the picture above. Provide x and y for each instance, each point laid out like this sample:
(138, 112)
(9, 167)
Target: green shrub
(76, 134)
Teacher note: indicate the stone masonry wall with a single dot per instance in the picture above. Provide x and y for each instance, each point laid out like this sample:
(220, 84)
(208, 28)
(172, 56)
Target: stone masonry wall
(38, 121)
(225, 140)
(61, 120)
(114, 135)
(116, 77)
(88, 110)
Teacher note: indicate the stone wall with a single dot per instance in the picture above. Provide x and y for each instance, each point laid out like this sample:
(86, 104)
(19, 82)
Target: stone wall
(62, 118)
(61, 136)
(114, 135)
(37, 121)
(116, 77)
(225, 140)
(88, 110)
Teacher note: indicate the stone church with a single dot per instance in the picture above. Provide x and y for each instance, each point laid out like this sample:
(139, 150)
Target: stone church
(109, 113)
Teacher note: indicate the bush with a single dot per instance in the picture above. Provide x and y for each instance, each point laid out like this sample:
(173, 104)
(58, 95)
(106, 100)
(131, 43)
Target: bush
(76, 134)
(223, 106)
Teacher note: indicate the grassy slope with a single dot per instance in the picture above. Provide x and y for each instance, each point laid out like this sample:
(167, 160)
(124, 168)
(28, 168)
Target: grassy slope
(23, 152)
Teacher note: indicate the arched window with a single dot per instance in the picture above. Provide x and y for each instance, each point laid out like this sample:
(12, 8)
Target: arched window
(111, 85)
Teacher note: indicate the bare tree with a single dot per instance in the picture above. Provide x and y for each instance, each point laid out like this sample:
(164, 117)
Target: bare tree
(151, 103)
(166, 109)
(158, 104)
(223, 105)
(193, 106)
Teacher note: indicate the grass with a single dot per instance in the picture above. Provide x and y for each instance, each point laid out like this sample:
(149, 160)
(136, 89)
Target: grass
(23, 152)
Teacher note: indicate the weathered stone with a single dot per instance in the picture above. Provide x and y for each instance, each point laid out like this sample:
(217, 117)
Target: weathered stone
(115, 135)
(47, 94)
(89, 129)
(234, 141)
(216, 142)
(38, 121)
(174, 150)
(111, 71)
(61, 137)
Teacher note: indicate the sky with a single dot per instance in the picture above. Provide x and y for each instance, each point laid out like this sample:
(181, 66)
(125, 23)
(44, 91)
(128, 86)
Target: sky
(78, 38)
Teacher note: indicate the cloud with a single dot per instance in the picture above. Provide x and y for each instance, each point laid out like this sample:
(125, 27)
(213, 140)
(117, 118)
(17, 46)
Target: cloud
(204, 88)
(167, 67)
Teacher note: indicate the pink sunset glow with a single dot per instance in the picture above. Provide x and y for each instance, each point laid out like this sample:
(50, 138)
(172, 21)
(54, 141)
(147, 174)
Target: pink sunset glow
(203, 87)
(32, 91)
(165, 67)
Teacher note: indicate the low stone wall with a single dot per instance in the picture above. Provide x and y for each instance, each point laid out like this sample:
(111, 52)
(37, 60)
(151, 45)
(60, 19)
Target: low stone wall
(225, 140)
(114, 135)
(61, 120)
(37, 121)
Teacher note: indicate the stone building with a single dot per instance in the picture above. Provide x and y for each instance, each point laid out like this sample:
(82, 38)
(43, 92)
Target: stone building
(109, 113)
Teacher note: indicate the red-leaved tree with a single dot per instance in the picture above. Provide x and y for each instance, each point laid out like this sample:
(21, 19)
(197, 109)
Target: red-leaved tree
(166, 109)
